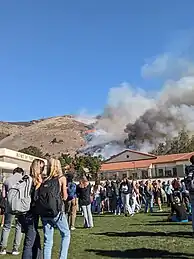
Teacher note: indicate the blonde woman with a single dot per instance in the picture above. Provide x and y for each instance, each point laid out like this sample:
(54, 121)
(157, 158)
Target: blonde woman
(149, 196)
(51, 197)
(84, 194)
(29, 221)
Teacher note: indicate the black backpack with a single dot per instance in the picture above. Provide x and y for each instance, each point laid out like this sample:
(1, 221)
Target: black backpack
(49, 201)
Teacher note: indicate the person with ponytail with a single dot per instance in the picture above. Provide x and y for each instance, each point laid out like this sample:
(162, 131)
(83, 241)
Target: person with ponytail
(29, 221)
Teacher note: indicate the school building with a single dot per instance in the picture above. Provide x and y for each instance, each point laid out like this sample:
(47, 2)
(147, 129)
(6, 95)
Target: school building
(10, 159)
(138, 165)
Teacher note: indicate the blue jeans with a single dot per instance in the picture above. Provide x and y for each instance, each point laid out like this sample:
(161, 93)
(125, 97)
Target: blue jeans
(6, 230)
(192, 206)
(96, 205)
(48, 227)
(175, 219)
(149, 205)
(118, 205)
(32, 246)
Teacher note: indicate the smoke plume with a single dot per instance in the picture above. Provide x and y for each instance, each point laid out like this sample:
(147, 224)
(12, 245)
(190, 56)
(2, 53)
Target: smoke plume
(134, 118)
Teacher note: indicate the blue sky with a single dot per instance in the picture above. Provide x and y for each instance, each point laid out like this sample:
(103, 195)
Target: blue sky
(59, 57)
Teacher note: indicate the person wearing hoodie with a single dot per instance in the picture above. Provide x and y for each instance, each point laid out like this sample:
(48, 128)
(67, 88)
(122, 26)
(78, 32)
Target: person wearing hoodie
(126, 192)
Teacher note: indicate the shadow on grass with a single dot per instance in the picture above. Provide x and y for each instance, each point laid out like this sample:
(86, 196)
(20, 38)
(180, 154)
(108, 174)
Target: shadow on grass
(161, 223)
(146, 234)
(139, 253)
(159, 214)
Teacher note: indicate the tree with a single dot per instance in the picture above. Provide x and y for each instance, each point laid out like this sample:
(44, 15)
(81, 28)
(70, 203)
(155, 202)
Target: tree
(191, 144)
(160, 150)
(179, 144)
(33, 151)
(65, 160)
(87, 165)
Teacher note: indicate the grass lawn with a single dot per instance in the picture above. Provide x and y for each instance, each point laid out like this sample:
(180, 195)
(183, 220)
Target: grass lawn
(143, 236)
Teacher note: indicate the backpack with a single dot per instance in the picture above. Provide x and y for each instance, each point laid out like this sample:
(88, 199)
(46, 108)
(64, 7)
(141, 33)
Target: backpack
(71, 191)
(189, 178)
(48, 201)
(19, 196)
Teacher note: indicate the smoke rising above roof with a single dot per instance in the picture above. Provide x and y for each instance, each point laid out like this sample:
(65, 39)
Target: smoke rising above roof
(134, 118)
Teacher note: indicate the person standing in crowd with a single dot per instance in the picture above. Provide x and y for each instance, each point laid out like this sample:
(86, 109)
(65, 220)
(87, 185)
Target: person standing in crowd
(119, 202)
(126, 191)
(142, 193)
(135, 205)
(109, 194)
(71, 203)
(148, 191)
(169, 193)
(96, 195)
(29, 221)
(7, 185)
(84, 195)
(185, 196)
(116, 203)
(189, 182)
(51, 210)
(157, 194)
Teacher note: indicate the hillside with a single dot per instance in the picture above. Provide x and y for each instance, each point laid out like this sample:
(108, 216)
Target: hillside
(53, 135)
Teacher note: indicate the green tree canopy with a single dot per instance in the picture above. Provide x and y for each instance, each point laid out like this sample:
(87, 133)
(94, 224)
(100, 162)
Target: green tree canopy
(179, 144)
(82, 165)
(33, 151)
(65, 160)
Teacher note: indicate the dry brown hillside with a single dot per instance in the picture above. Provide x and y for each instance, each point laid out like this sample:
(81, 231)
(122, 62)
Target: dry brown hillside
(7, 129)
(54, 135)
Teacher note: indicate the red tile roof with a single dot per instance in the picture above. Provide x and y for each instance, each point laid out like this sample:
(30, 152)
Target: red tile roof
(118, 166)
(170, 158)
(126, 165)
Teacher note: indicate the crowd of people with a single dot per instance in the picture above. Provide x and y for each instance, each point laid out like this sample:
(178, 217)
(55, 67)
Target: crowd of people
(56, 199)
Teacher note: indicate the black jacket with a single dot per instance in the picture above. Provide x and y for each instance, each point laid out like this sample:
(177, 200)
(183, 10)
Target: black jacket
(84, 195)
(126, 188)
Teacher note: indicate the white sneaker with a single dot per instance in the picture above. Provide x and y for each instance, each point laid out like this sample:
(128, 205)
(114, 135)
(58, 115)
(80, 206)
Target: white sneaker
(73, 228)
(15, 252)
(3, 252)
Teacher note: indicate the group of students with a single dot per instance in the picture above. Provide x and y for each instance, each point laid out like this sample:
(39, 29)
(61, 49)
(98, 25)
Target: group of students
(55, 199)
(30, 197)
(130, 197)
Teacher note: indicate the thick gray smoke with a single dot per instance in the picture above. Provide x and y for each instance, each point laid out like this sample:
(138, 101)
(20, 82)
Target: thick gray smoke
(143, 119)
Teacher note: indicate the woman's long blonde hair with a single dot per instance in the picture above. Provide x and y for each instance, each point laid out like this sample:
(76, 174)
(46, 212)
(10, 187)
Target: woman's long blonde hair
(36, 170)
(54, 168)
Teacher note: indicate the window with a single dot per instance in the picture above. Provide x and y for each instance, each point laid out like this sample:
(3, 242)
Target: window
(160, 173)
(174, 172)
(144, 174)
(168, 173)
(134, 176)
(127, 156)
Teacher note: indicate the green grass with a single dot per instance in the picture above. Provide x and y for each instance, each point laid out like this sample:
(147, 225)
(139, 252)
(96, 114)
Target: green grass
(143, 236)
